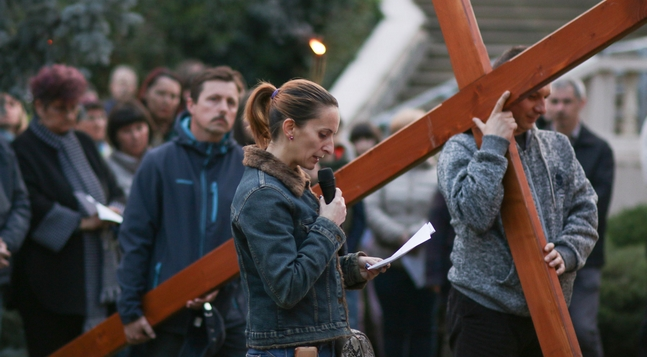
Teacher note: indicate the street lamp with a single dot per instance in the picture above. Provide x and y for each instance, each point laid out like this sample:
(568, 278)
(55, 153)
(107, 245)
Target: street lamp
(319, 60)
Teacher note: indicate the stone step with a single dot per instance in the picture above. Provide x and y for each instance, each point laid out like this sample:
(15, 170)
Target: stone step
(503, 23)
(435, 77)
(565, 11)
(508, 24)
(439, 50)
(414, 90)
(522, 3)
(435, 63)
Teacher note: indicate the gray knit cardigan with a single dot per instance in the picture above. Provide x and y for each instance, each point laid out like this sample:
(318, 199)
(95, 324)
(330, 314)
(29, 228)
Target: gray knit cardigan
(471, 181)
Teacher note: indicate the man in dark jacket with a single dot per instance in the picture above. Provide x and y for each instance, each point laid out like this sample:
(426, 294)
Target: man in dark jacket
(563, 108)
(178, 211)
(14, 212)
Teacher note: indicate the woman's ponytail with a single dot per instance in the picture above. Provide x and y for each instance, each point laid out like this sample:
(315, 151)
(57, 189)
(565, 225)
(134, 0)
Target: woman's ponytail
(298, 99)
(257, 113)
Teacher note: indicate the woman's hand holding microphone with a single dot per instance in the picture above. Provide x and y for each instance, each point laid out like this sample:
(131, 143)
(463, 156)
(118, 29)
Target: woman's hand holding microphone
(335, 210)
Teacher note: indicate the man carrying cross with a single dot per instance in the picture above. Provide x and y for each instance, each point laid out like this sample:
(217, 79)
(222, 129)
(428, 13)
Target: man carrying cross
(487, 312)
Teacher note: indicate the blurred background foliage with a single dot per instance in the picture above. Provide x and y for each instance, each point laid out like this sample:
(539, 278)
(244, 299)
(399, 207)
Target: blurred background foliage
(264, 39)
(623, 294)
(38, 32)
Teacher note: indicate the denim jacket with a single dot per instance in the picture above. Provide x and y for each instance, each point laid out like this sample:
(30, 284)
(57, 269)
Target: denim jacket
(291, 271)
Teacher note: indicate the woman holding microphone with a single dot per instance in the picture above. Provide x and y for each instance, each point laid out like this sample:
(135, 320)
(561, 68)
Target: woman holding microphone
(288, 240)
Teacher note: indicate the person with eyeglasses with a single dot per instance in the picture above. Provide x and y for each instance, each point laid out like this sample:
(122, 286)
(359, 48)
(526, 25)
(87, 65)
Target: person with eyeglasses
(64, 281)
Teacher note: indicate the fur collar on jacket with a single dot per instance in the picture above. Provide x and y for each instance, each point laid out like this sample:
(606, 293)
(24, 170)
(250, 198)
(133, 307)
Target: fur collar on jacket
(295, 180)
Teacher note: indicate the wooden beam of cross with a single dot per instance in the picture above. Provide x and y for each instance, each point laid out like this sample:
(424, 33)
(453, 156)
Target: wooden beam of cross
(553, 56)
(524, 232)
(212, 271)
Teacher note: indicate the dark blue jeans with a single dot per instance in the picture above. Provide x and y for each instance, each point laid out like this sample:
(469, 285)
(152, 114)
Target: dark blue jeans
(584, 308)
(476, 331)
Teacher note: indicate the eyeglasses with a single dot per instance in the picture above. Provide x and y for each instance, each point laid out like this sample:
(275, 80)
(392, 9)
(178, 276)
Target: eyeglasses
(65, 109)
(97, 117)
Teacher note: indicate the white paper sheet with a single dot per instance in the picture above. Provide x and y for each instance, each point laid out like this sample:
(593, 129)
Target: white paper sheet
(105, 213)
(421, 236)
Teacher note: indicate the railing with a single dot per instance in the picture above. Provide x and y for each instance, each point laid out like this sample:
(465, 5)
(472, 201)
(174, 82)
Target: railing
(616, 81)
(617, 93)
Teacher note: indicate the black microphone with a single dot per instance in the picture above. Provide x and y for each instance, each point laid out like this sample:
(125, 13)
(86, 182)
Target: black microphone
(327, 183)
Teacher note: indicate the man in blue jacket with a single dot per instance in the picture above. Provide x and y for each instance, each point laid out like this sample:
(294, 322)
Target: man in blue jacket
(178, 211)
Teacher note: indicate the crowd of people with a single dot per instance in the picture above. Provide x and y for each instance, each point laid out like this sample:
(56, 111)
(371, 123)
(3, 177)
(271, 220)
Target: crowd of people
(191, 158)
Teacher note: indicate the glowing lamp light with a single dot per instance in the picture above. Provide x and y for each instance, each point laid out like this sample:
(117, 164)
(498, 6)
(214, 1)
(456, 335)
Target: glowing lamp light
(317, 47)
(318, 66)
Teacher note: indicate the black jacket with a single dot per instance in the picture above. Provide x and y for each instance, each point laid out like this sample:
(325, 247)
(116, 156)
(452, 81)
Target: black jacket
(596, 157)
(55, 279)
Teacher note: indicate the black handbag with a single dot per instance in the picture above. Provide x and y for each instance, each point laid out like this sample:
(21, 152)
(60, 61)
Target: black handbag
(355, 345)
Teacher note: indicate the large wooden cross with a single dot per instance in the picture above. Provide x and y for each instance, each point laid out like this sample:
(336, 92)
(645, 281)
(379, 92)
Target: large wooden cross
(480, 87)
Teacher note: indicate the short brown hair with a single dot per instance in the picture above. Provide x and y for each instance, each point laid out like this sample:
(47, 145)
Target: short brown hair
(508, 55)
(365, 130)
(220, 73)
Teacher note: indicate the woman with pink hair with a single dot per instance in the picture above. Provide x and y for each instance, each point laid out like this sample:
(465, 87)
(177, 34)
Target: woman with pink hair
(65, 274)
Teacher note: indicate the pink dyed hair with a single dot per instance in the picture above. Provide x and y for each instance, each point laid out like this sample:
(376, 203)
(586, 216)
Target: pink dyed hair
(58, 82)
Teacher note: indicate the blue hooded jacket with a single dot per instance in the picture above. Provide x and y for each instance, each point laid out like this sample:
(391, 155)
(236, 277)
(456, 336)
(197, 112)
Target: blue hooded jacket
(178, 211)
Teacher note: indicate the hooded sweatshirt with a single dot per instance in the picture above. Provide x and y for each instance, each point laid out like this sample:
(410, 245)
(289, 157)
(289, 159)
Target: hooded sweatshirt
(177, 212)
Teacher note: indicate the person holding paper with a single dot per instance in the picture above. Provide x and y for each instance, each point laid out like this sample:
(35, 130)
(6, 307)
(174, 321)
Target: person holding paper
(288, 241)
(487, 311)
(64, 280)
(394, 213)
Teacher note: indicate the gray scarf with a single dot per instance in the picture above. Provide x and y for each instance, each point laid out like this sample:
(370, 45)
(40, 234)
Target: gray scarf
(101, 253)
(129, 163)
